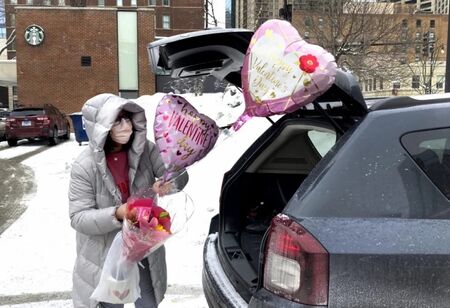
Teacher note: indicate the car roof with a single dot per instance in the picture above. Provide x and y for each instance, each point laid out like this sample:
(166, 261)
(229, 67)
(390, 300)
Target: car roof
(410, 101)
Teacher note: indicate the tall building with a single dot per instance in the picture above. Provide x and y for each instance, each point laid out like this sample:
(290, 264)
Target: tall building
(442, 6)
(70, 50)
(429, 6)
(251, 14)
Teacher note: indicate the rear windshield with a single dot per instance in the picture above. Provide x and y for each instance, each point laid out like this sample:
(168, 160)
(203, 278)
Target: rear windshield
(27, 112)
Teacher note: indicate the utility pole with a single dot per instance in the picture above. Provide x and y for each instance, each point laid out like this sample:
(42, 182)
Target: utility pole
(447, 62)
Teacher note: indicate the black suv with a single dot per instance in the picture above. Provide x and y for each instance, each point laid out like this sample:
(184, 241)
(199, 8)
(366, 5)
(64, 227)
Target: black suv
(42, 122)
(336, 204)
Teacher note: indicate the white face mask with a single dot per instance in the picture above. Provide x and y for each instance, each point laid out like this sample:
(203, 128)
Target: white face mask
(121, 133)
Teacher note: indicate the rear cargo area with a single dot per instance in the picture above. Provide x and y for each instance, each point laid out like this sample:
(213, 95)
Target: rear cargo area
(252, 197)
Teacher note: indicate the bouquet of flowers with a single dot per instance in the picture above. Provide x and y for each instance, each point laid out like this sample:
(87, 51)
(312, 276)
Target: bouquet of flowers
(145, 229)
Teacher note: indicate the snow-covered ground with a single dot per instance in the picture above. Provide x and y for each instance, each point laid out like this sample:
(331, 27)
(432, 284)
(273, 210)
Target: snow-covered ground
(38, 250)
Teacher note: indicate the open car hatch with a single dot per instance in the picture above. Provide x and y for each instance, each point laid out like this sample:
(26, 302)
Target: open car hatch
(221, 52)
(218, 52)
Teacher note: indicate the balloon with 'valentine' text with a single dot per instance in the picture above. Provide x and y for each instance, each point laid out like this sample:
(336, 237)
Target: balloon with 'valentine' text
(282, 72)
(182, 134)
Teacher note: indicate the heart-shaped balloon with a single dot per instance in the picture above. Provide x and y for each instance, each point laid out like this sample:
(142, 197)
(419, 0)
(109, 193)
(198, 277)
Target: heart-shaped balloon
(282, 72)
(182, 134)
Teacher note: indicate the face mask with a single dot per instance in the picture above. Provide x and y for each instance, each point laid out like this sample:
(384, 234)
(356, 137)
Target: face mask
(121, 133)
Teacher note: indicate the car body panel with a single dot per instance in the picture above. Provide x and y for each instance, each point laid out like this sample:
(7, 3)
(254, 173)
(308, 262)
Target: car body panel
(3, 116)
(375, 162)
(387, 262)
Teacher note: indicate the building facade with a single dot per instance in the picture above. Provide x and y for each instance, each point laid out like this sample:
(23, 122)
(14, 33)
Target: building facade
(69, 52)
(415, 37)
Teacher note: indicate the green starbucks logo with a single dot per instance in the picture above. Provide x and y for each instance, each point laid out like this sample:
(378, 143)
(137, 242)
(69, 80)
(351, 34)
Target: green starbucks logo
(34, 35)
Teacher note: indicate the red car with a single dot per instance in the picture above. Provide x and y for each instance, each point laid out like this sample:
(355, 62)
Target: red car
(42, 122)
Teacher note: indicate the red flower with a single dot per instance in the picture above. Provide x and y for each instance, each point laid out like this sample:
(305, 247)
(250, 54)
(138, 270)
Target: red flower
(308, 63)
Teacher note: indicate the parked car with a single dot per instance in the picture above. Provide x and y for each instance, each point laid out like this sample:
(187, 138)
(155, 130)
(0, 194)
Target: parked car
(335, 205)
(3, 115)
(42, 122)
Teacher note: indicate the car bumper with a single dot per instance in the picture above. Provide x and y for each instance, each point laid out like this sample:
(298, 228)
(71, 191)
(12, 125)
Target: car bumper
(219, 291)
(265, 299)
(31, 133)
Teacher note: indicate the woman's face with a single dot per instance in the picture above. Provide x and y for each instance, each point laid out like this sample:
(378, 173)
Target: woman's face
(122, 128)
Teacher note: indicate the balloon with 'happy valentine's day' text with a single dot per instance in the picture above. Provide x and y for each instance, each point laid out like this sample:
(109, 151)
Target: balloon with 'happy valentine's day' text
(282, 72)
(182, 134)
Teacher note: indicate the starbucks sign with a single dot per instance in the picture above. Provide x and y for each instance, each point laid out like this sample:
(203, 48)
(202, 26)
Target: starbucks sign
(34, 35)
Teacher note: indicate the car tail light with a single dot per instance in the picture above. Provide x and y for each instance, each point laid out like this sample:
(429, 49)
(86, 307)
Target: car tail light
(296, 264)
(9, 121)
(44, 119)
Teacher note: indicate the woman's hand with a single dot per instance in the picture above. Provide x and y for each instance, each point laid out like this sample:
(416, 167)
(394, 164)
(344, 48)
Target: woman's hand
(162, 188)
(121, 212)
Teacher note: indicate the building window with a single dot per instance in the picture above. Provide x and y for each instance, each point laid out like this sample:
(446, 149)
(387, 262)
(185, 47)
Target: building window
(440, 82)
(415, 82)
(29, 2)
(127, 40)
(418, 49)
(418, 36)
(119, 2)
(13, 2)
(308, 21)
(86, 61)
(418, 23)
(396, 84)
(12, 20)
(151, 2)
(374, 84)
(166, 22)
(166, 2)
(47, 2)
(133, 3)
(12, 46)
(62, 2)
(432, 23)
(404, 24)
(101, 3)
(381, 84)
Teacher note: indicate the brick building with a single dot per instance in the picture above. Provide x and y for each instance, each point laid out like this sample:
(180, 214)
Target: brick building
(86, 50)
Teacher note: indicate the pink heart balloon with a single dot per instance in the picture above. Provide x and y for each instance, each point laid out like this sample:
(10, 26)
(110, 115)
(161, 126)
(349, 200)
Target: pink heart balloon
(182, 134)
(282, 72)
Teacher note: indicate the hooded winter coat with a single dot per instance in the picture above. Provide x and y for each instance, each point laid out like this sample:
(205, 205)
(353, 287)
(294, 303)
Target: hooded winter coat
(93, 195)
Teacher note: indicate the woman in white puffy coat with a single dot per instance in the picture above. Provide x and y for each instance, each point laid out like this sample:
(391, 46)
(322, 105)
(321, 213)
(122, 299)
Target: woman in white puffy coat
(98, 191)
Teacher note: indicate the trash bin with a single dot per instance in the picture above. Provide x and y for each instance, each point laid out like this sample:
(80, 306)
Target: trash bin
(78, 127)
